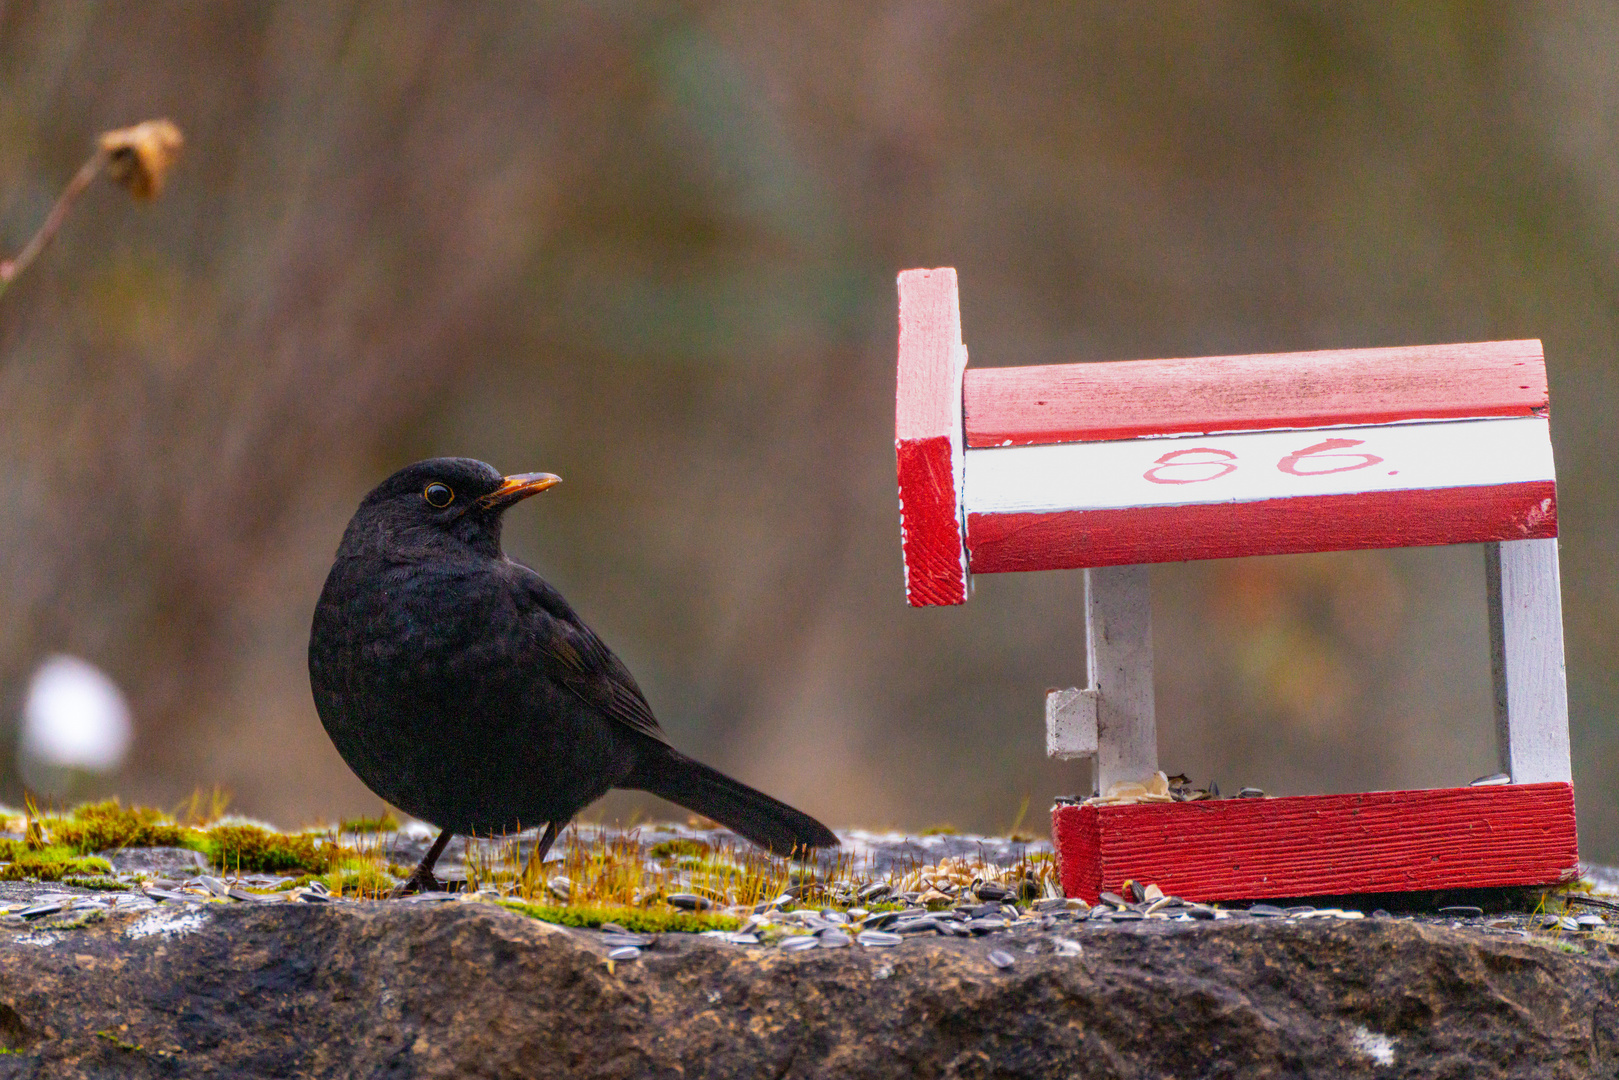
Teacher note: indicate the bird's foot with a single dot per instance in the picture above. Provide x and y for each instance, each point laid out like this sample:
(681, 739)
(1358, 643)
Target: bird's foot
(420, 881)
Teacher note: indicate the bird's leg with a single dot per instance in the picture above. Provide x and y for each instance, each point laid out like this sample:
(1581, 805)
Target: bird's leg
(536, 857)
(421, 879)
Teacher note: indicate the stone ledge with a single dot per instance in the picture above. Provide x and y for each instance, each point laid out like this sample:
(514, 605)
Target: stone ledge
(472, 989)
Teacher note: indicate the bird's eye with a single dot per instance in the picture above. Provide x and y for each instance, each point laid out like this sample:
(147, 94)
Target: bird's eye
(438, 495)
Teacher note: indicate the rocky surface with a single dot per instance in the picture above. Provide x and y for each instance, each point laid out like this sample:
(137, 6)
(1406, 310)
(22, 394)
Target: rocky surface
(467, 988)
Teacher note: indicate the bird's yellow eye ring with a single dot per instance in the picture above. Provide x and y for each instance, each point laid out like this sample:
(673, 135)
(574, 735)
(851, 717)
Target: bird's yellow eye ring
(438, 495)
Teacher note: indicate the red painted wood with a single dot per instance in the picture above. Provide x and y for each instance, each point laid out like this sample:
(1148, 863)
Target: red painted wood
(927, 439)
(1076, 835)
(1131, 398)
(1070, 539)
(930, 530)
(1323, 845)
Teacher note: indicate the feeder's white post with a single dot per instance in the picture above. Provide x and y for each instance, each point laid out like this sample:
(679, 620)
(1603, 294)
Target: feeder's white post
(1118, 654)
(1526, 657)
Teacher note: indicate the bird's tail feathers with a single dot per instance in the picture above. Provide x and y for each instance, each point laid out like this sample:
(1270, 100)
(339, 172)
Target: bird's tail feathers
(768, 822)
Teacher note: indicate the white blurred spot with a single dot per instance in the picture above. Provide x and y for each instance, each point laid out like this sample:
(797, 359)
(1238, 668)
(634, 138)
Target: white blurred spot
(167, 924)
(75, 717)
(1380, 1048)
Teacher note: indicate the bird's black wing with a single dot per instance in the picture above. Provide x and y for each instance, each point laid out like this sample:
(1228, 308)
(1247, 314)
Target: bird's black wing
(578, 660)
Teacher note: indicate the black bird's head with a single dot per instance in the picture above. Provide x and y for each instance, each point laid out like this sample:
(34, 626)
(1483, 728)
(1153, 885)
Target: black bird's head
(439, 502)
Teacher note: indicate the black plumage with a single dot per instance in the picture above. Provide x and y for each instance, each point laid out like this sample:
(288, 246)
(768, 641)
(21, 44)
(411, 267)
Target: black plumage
(463, 689)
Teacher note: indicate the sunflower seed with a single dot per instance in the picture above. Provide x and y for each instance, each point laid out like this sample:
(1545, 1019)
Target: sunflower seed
(686, 901)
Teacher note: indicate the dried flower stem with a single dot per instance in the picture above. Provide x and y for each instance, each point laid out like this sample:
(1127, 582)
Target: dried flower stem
(11, 268)
(137, 158)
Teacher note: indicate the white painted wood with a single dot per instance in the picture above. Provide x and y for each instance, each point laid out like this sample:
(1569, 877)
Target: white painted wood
(1257, 465)
(1118, 648)
(1071, 724)
(1526, 654)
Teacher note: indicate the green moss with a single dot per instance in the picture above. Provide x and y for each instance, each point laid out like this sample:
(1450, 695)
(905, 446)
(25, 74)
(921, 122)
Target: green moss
(50, 863)
(941, 830)
(385, 823)
(76, 921)
(108, 1036)
(298, 882)
(635, 920)
(100, 884)
(108, 825)
(681, 846)
(258, 850)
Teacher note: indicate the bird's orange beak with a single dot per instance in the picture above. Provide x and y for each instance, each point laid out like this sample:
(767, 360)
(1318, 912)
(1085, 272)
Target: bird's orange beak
(517, 487)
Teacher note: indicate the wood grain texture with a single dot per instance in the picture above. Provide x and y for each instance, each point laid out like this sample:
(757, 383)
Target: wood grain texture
(1323, 845)
(929, 335)
(928, 438)
(999, 543)
(1118, 655)
(1076, 837)
(930, 529)
(1526, 651)
(1134, 398)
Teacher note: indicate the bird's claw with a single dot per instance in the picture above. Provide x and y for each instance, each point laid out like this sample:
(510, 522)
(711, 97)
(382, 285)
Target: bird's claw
(418, 882)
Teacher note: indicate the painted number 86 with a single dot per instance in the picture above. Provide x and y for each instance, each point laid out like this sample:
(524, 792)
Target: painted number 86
(1200, 464)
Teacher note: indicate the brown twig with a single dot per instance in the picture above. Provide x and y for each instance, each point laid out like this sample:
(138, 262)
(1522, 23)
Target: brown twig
(11, 268)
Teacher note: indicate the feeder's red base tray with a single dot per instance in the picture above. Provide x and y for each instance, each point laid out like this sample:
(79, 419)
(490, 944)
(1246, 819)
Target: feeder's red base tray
(1323, 845)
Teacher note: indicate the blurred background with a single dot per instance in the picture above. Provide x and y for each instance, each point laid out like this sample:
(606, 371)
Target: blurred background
(652, 248)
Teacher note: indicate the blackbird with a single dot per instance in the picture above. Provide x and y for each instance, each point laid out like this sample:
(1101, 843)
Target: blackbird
(463, 689)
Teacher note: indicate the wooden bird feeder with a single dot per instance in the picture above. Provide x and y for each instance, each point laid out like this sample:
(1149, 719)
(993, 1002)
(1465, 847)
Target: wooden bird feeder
(1109, 467)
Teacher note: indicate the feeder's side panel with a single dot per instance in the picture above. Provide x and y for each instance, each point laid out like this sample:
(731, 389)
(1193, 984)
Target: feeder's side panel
(928, 438)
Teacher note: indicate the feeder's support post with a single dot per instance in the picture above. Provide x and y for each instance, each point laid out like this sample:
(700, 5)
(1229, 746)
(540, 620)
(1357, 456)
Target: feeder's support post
(1526, 658)
(1118, 655)
(1112, 719)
